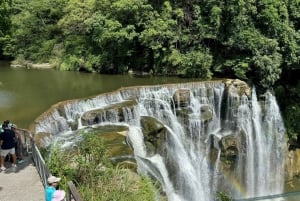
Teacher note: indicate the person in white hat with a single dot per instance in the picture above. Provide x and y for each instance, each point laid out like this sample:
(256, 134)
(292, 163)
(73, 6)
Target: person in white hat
(51, 192)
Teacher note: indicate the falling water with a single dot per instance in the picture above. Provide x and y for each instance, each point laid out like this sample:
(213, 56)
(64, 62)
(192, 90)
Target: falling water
(186, 168)
(246, 156)
(260, 165)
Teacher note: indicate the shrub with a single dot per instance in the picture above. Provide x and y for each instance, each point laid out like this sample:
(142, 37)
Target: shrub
(97, 179)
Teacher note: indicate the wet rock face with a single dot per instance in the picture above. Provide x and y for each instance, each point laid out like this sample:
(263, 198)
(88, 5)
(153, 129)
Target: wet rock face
(154, 134)
(114, 111)
(292, 164)
(182, 98)
(43, 139)
(92, 117)
(228, 145)
(238, 87)
(115, 140)
(206, 112)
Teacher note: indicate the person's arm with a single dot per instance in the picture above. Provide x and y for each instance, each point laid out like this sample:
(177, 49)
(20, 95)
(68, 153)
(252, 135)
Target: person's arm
(19, 136)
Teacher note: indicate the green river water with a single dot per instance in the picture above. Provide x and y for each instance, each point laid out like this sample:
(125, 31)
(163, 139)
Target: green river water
(27, 93)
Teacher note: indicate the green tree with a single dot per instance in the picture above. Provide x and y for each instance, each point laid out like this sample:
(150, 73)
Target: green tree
(78, 52)
(196, 64)
(274, 20)
(294, 12)
(160, 37)
(249, 40)
(5, 23)
(34, 31)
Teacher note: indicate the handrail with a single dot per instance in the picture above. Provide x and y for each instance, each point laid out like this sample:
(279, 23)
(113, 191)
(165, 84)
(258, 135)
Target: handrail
(40, 164)
(43, 170)
(287, 194)
(73, 193)
(37, 158)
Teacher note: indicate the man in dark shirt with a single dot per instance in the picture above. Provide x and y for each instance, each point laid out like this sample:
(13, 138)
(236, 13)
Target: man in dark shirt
(7, 141)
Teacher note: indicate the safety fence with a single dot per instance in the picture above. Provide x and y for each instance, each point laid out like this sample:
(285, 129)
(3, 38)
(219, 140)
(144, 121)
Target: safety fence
(44, 172)
(288, 196)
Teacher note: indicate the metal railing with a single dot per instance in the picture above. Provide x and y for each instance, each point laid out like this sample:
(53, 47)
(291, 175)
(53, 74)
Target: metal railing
(295, 194)
(44, 172)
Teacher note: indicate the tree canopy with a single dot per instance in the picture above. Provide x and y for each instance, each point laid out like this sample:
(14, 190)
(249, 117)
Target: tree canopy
(246, 39)
(256, 41)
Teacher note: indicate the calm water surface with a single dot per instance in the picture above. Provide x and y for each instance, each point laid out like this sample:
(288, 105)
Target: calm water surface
(27, 93)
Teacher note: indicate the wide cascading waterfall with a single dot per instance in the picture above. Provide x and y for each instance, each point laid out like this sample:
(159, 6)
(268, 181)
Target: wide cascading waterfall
(211, 130)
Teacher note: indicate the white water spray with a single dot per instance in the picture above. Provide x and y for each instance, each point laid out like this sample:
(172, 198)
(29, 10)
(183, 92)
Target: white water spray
(185, 168)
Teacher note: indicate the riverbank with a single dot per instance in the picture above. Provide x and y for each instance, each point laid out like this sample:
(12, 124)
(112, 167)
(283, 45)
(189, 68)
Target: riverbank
(29, 65)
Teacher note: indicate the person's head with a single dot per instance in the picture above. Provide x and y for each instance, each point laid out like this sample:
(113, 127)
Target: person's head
(5, 124)
(14, 127)
(53, 181)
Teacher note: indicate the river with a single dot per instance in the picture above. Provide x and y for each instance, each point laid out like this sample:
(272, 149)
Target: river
(27, 93)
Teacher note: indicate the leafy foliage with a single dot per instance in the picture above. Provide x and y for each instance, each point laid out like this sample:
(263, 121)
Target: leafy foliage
(289, 99)
(89, 167)
(256, 41)
(223, 196)
(193, 39)
(5, 22)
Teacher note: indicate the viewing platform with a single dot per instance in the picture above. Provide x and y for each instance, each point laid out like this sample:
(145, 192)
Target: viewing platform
(22, 183)
(26, 182)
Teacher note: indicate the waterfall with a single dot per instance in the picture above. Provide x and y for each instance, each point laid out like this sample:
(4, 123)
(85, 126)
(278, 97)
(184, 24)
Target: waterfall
(198, 118)
(246, 162)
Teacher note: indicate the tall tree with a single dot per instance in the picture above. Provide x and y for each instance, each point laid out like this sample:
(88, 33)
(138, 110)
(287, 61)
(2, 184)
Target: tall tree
(5, 22)
(34, 31)
(160, 37)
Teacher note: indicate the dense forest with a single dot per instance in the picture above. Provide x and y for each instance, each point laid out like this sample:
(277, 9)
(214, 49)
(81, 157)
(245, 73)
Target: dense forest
(254, 40)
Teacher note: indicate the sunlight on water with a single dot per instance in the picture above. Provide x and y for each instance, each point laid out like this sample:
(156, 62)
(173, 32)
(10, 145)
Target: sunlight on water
(6, 99)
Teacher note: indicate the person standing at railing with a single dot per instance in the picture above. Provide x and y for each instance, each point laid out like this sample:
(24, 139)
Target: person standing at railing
(52, 191)
(7, 141)
(18, 145)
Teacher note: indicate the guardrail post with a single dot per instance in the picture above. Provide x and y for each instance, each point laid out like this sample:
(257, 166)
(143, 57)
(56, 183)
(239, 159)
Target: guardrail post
(73, 194)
